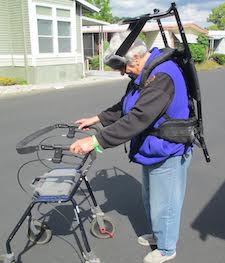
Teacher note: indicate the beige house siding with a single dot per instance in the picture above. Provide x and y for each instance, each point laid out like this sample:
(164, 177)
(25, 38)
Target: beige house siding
(154, 39)
(45, 74)
(5, 43)
(19, 26)
(151, 38)
(26, 26)
(14, 27)
(19, 43)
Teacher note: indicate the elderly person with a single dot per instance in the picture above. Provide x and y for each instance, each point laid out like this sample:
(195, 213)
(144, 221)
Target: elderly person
(164, 163)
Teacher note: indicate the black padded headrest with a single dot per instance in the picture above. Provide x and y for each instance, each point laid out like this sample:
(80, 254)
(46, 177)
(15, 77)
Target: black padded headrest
(115, 61)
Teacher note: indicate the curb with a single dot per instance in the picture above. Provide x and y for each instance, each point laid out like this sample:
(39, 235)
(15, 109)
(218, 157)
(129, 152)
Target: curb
(24, 89)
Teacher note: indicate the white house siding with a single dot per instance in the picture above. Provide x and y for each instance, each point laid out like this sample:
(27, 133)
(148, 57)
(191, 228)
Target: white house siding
(191, 35)
(221, 47)
(217, 41)
(154, 39)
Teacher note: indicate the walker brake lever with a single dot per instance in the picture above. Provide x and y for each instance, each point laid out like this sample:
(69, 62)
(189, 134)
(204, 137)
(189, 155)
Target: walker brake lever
(58, 154)
(57, 158)
(71, 132)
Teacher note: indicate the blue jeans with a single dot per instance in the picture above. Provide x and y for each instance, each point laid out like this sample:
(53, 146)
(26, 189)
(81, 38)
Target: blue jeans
(163, 191)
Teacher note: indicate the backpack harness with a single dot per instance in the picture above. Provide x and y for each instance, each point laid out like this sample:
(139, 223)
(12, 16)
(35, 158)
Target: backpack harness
(185, 131)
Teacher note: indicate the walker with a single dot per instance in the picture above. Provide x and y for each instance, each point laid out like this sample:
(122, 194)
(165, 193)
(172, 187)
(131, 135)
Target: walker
(59, 185)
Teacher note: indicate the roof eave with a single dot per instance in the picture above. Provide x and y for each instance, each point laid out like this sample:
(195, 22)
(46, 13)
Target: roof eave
(93, 22)
(88, 6)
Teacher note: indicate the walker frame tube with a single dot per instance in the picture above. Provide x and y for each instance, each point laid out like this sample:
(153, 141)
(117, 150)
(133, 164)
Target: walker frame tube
(56, 199)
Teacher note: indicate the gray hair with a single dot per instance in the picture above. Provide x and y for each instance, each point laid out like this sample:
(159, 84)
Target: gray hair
(137, 48)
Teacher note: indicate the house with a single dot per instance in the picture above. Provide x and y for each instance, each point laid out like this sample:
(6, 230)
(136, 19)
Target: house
(93, 46)
(151, 31)
(216, 41)
(41, 40)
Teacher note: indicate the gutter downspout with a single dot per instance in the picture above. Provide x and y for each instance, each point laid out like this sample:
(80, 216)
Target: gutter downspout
(101, 48)
(24, 40)
(10, 35)
(82, 39)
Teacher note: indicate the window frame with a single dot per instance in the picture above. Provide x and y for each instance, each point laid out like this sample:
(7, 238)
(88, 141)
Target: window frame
(55, 19)
(64, 37)
(46, 36)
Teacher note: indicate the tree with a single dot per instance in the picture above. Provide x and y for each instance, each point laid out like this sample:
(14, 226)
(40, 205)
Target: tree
(213, 27)
(217, 16)
(105, 12)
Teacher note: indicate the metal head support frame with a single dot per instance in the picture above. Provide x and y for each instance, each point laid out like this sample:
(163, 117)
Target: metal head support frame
(182, 56)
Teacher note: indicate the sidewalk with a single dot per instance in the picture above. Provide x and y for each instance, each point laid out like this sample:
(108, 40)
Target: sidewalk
(92, 77)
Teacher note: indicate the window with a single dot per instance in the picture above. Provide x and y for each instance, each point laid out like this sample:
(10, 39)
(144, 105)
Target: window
(43, 10)
(54, 30)
(63, 13)
(45, 36)
(64, 36)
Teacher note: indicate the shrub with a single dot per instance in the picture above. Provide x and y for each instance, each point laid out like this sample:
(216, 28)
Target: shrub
(94, 62)
(7, 81)
(105, 45)
(143, 37)
(219, 58)
(203, 40)
(11, 81)
(198, 53)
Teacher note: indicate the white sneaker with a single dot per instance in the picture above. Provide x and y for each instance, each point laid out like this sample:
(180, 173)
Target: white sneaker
(147, 240)
(156, 257)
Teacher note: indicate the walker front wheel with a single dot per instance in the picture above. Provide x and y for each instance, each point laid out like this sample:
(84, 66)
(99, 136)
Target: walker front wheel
(108, 232)
(9, 258)
(44, 235)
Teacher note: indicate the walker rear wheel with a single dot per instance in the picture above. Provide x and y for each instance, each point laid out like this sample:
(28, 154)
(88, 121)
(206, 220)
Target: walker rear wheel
(109, 228)
(43, 237)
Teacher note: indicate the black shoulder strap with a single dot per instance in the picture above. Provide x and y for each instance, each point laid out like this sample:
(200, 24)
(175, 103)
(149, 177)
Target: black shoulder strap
(167, 54)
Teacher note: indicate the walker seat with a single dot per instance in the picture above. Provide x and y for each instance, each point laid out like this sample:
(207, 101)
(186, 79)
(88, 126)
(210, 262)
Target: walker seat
(55, 183)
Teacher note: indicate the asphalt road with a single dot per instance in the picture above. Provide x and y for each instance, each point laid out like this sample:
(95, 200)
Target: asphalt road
(116, 183)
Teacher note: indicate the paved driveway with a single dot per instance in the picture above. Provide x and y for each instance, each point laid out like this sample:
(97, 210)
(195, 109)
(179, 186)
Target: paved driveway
(116, 182)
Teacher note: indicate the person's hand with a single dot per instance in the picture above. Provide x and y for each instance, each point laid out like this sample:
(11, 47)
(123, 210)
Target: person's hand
(82, 146)
(86, 122)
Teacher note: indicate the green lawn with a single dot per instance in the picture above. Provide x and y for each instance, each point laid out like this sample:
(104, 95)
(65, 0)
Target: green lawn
(208, 65)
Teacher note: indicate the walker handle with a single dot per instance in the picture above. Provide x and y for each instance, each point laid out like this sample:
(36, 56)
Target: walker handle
(23, 148)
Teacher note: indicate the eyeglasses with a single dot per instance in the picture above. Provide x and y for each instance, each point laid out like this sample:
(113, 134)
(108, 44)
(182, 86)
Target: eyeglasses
(123, 70)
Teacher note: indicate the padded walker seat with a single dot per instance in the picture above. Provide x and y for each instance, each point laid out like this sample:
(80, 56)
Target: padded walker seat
(57, 182)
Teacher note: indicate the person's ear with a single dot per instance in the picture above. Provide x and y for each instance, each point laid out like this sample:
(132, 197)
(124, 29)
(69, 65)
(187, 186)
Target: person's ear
(137, 59)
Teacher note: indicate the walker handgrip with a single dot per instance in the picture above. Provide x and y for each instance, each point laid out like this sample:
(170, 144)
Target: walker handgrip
(50, 147)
